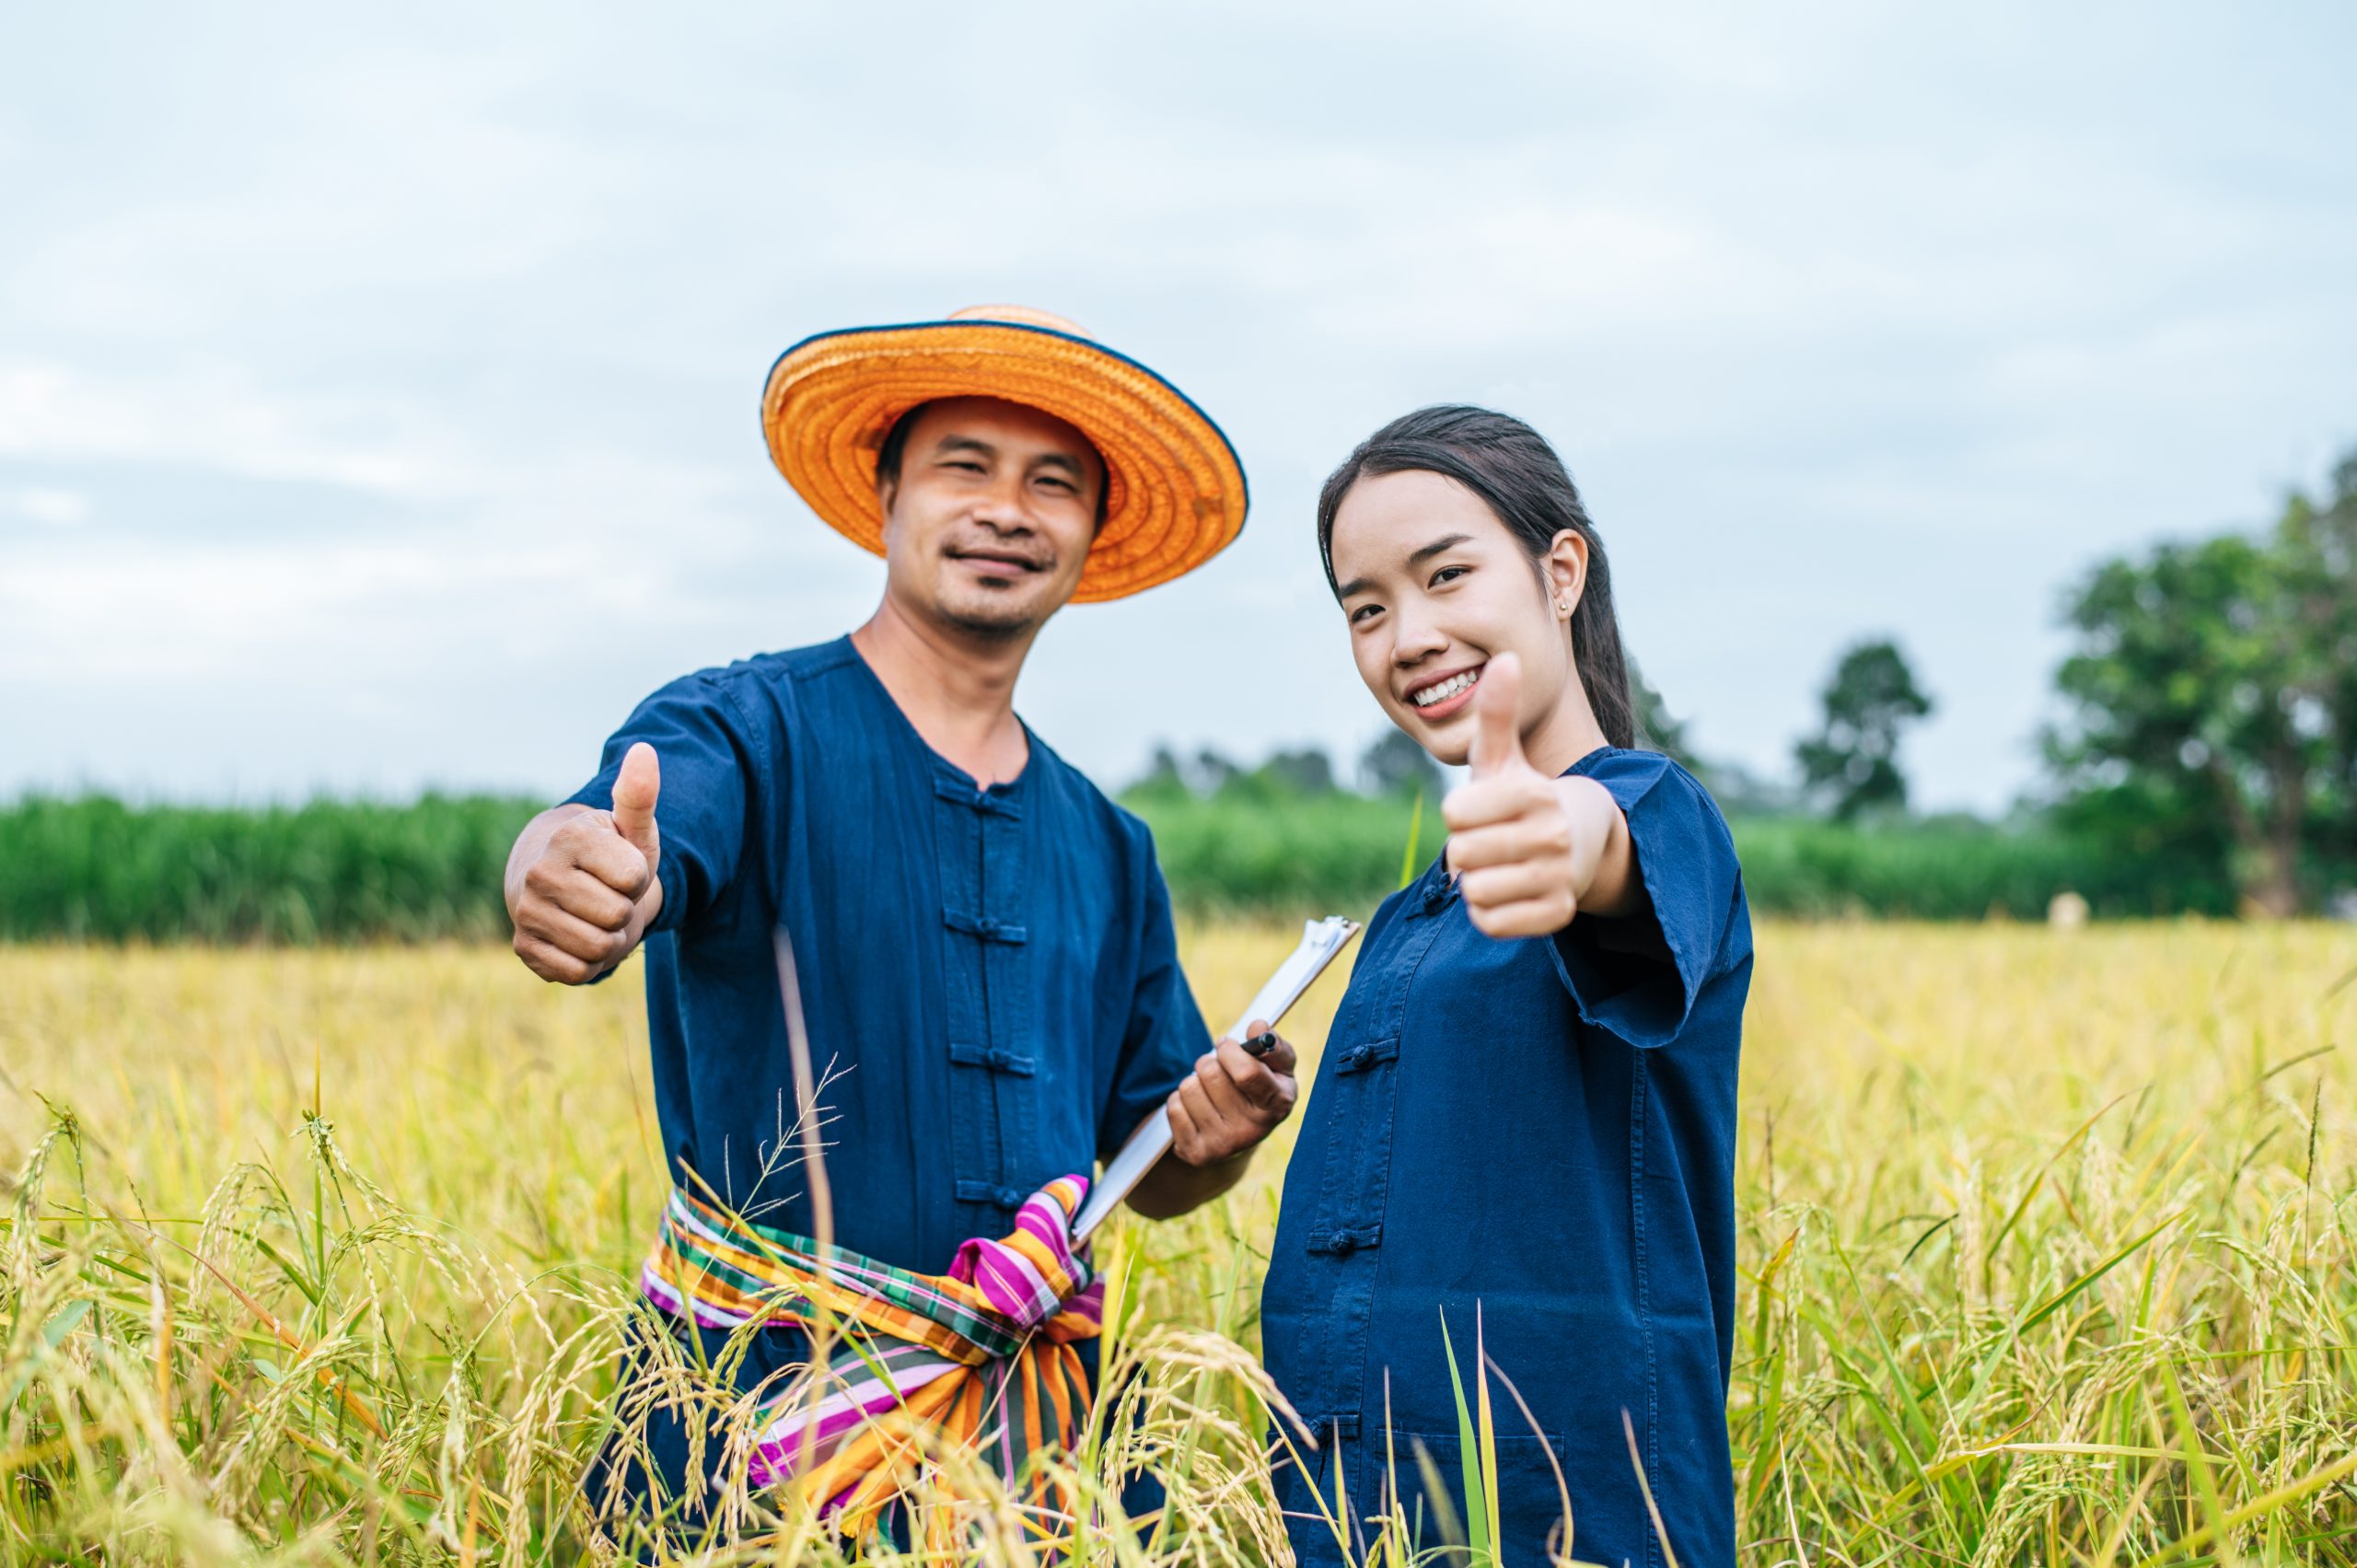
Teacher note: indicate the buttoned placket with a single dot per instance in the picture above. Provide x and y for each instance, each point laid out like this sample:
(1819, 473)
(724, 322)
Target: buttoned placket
(1347, 1235)
(978, 837)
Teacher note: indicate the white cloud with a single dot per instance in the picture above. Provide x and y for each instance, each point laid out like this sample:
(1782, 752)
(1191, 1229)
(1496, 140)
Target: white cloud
(57, 413)
(49, 505)
(414, 361)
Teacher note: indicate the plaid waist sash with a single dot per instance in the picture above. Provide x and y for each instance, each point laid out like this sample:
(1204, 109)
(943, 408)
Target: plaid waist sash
(980, 1356)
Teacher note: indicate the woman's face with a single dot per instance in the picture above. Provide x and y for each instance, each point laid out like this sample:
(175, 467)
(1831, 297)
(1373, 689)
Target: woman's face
(1432, 586)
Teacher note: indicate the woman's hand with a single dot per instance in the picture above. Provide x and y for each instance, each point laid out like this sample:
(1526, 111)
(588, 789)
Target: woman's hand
(1528, 851)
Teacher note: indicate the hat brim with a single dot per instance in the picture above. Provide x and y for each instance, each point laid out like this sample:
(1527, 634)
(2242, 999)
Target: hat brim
(1175, 491)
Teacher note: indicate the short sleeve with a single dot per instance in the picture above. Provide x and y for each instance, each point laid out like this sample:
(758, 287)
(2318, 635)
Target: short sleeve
(1165, 1032)
(713, 771)
(1638, 977)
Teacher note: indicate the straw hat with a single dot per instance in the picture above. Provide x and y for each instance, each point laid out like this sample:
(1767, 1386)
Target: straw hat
(1174, 493)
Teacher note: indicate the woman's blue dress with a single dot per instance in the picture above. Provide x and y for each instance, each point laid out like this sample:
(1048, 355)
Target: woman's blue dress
(1536, 1139)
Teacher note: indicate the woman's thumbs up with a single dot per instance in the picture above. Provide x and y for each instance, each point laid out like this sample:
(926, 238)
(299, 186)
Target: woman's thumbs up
(1497, 719)
(1511, 839)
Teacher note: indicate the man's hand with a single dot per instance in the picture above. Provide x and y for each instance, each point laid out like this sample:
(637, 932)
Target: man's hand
(581, 883)
(1233, 1102)
(1527, 849)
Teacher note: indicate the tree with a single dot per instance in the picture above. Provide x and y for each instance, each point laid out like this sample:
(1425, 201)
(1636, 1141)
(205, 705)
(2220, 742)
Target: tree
(1304, 772)
(1211, 772)
(1656, 731)
(1396, 765)
(2213, 699)
(1163, 779)
(1851, 762)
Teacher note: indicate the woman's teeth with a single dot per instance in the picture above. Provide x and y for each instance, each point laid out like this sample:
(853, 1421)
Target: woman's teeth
(1443, 691)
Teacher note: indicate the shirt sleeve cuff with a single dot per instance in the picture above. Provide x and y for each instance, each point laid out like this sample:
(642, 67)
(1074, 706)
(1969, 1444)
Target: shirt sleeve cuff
(1636, 977)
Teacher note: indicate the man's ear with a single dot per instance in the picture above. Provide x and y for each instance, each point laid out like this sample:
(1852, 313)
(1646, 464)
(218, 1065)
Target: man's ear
(1565, 567)
(886, 492)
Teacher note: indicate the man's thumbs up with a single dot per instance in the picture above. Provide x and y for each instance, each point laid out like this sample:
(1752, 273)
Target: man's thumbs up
(581, 883)
(635, 787)
(1497, 719)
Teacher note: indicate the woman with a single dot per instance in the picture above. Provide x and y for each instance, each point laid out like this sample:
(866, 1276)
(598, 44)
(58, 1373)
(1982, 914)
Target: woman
(1524, 1121)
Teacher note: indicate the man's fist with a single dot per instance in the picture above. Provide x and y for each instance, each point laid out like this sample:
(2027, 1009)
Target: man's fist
(1234, 1100)
(1522, 845)
(581, 883)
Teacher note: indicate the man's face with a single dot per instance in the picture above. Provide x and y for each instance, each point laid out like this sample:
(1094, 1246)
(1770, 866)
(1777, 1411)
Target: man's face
(990, 522)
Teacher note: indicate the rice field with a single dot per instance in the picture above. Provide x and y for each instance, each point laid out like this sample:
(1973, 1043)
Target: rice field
(323, 1256)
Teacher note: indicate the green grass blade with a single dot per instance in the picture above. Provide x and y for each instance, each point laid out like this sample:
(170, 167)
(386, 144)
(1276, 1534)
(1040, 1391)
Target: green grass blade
(1477, 1519)
(1408, 860)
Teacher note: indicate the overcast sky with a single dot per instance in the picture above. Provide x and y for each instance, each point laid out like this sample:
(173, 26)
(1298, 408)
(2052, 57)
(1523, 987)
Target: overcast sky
(378, 387)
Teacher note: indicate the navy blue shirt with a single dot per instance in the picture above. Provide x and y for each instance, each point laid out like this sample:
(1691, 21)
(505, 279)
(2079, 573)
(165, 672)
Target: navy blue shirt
(989, 976)
(1543, 1128)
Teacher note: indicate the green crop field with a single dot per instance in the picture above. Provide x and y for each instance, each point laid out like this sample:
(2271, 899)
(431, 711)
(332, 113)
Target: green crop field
(94, 870)
(323, 1256)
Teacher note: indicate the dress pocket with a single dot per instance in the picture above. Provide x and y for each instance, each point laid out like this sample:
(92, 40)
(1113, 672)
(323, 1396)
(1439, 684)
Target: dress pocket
(1297, 1474)
(1532, 1529)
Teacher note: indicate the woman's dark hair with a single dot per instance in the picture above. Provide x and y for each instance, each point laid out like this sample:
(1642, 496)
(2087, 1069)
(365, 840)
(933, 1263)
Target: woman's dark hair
(1519, 476)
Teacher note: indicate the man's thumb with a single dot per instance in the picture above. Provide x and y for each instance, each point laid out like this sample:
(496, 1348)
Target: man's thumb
(636, 788)
(1497, 716)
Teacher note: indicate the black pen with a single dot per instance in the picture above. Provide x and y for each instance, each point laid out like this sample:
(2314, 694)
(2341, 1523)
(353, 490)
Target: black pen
(1261, 1044)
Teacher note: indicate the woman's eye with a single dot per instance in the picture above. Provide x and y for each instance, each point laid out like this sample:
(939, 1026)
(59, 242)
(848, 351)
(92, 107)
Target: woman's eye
(1445, 573)
(1362, 611)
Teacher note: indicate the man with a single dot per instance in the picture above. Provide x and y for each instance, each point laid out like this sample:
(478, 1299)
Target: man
(983, 942)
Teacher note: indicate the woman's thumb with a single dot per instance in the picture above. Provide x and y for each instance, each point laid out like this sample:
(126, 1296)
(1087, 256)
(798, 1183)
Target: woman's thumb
(635, 787)
(1497, 716)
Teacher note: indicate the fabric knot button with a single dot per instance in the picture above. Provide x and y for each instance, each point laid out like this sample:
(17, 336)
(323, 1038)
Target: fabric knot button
(993, 1057)
(1342, 1243)
(960, 791)
(986, 927)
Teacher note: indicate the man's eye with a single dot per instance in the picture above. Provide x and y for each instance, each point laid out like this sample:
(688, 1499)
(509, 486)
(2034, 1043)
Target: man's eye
(1362, 611)
(970, 467)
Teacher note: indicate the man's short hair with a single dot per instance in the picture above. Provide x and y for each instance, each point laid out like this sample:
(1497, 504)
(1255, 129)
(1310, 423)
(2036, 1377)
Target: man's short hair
(896, 446)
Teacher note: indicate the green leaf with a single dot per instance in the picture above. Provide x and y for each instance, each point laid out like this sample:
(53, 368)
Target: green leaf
(1415, 838)
(1477, 1519)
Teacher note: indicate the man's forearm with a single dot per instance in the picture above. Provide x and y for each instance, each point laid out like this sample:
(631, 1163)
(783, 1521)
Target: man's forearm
(1173, 1186)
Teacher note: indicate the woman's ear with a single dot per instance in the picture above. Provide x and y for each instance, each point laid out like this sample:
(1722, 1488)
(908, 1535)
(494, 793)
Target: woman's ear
(1565, 567)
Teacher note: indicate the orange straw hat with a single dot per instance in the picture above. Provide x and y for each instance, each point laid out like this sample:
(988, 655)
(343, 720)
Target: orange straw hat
(1174, 490)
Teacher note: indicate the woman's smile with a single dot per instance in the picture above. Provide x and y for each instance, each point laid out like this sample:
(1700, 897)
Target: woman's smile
(1438, 697)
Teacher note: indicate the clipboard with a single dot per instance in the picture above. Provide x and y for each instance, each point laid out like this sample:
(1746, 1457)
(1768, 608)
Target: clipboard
(1321, 942)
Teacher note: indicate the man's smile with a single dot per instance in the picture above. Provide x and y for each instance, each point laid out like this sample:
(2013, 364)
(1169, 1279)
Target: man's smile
(996, 560)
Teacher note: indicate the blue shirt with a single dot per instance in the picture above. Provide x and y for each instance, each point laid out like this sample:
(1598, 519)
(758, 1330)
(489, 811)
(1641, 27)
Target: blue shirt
(1544, 1129)
(989, 976)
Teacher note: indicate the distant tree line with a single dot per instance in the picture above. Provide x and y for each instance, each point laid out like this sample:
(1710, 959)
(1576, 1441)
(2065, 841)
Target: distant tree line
(1392, 765)
(2208, 731)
